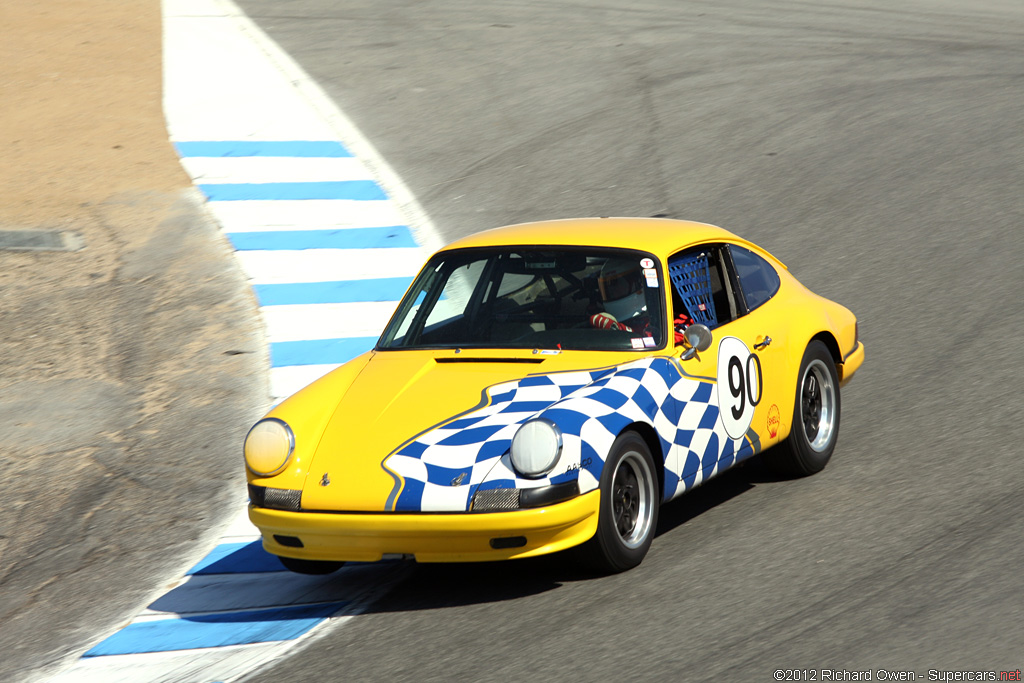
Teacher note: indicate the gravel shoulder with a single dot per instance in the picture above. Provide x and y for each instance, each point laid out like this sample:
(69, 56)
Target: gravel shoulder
(129, 369)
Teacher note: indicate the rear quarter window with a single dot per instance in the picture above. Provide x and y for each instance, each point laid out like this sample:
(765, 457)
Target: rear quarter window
(757, 277)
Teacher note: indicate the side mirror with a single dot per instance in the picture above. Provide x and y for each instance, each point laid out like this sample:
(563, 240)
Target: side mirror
(696, 338)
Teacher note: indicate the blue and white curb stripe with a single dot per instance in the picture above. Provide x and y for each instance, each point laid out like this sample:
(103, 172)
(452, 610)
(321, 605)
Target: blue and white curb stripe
(327, 252)
(327, 232)
(330, 239)
(233, 611)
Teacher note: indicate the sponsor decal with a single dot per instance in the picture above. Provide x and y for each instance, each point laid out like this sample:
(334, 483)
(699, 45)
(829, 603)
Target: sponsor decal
(576, 466)
(637, 342)
(773, 421)
(739, 386)
(646, 263)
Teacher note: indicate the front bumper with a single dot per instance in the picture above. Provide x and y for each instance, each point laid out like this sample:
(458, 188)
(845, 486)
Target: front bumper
(429, 537)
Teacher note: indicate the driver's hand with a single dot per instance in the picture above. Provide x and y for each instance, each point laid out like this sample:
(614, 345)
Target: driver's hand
(607, 321)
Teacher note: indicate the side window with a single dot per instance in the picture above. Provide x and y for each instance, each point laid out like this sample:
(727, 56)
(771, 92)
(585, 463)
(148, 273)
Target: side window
(699, 287)
(757, 277)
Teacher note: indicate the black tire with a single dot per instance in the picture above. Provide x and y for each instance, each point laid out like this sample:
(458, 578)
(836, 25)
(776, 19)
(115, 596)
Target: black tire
(314, 567)
(815, 415)
(628, 514)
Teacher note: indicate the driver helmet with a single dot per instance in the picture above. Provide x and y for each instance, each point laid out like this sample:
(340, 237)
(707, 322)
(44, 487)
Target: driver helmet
(622, 288)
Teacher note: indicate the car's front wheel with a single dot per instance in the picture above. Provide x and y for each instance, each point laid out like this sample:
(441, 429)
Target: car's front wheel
(815, 415)
(314, 567)
(629, 507)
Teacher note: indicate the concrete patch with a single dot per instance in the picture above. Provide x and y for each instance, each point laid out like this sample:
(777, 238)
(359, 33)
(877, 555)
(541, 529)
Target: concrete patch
(40, 240)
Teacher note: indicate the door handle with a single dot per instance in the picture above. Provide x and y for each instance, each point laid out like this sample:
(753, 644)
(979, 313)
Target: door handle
(763, 344)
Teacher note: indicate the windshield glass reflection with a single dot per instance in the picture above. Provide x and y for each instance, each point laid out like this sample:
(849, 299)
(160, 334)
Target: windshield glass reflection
(588, 299)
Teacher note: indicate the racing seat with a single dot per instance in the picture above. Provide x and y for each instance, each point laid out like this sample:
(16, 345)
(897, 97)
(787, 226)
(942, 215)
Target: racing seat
(501, 327)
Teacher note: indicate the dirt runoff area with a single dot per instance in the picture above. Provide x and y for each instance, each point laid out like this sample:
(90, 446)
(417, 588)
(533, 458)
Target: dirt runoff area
(129, 369)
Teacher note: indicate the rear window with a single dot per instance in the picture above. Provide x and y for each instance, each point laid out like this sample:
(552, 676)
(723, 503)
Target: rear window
(758, 278)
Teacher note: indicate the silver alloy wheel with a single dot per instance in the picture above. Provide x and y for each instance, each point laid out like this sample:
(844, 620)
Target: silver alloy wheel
(818, 405)
(633, 499)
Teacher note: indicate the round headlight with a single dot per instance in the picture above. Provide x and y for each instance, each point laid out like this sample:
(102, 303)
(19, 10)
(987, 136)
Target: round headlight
(268, 446)
(536, 447)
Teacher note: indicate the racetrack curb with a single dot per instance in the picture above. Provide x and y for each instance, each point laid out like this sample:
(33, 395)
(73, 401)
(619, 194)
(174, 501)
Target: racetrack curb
(329, 238)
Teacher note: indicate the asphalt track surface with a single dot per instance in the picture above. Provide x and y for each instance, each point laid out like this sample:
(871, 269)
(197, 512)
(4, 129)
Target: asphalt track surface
(878, 152)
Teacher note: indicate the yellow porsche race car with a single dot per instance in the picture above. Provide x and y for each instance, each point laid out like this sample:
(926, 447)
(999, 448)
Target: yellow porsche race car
(549, 385)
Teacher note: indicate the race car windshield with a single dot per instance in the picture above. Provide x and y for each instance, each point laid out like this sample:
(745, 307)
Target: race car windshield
(532, 298)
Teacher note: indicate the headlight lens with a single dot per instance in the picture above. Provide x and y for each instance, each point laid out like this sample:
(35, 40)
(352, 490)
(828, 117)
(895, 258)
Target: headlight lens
(269, 446)
(536, 447)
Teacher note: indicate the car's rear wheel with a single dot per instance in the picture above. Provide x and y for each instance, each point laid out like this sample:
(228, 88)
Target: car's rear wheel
(815, 415)
(629, 507)
(315, 567)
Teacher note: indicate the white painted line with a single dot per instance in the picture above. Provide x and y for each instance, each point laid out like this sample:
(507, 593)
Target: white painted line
(327, 321)
(240, 528)
(219, 84)
(274, 169)
(256, 215)
(423, 228)
(183, 666)
(285, 381)
(328, 265)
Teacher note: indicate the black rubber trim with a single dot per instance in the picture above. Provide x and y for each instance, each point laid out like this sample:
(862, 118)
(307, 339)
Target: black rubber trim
(257, 495)
(289, 541)
(489, 360)
(852, 351)
(548, 495)
(528, 498)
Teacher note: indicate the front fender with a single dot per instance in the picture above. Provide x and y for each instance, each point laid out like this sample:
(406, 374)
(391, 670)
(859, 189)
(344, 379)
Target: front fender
(593, 416)
(307, 412)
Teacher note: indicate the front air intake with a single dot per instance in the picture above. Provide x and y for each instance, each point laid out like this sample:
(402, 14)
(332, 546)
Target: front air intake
(275, 499)
(496, 500)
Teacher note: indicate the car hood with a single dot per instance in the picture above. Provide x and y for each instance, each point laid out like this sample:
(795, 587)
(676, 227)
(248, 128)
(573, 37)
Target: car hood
(398, 396)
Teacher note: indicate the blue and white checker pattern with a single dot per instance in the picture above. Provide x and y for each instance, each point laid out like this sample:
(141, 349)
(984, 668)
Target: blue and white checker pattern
(591, 409)
(474, 444)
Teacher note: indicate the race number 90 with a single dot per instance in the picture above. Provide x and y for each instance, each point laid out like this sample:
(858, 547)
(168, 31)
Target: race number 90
(739, 386)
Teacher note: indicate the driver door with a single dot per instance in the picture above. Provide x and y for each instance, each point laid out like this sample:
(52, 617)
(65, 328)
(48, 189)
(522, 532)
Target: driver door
(744, 367)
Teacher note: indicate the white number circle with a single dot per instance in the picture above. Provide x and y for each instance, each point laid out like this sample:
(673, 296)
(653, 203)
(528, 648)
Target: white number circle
(739, 386)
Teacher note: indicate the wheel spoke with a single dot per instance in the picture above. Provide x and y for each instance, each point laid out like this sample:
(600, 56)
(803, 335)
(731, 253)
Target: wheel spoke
(631, 504)
(819, 405)
(811, 404)
(625, 519)
(626, 502)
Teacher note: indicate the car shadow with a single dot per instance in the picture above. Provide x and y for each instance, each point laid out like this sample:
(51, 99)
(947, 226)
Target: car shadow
(239, 591)
(435, 586)
(719, 490)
